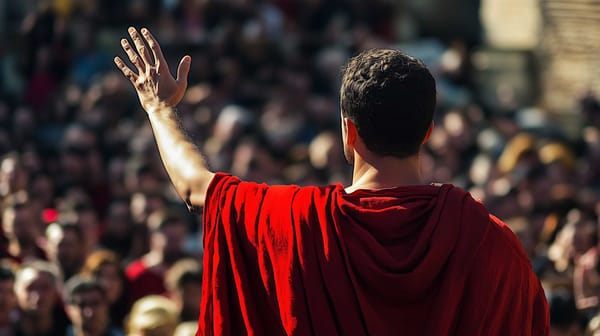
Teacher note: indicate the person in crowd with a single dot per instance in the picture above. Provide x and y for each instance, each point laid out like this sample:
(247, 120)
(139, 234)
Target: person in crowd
(65, 247)
(22, 228)
(183, 282)
(82, 165)
(168, 230)
(41, 311)
(88, 308)
(105, 266)
(276, 248)
(82, 213)
(118, 229)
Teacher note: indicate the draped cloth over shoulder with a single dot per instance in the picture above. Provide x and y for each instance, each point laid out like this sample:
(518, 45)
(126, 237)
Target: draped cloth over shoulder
(412, 260)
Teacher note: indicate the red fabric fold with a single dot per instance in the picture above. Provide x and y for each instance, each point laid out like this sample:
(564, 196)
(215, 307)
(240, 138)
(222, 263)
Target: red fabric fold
(412, 260)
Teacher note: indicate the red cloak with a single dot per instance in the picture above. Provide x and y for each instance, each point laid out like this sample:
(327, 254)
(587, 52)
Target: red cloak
(412, 260)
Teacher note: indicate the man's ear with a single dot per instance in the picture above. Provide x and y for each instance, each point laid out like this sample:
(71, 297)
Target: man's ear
(428, 134)
(351, 132)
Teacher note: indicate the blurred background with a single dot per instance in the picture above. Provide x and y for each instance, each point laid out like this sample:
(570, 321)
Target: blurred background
(86, 199)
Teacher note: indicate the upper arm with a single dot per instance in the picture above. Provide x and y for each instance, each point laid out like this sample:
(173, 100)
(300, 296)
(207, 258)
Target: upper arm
(197, 189)
(250, 209)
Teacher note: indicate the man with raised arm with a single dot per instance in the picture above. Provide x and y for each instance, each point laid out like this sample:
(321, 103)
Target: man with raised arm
(387, 255)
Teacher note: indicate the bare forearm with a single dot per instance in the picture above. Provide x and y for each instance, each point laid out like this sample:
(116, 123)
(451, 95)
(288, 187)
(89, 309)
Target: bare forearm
(180, 156)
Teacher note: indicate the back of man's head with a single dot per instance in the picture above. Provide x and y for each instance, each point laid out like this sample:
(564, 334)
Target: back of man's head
(390, 97)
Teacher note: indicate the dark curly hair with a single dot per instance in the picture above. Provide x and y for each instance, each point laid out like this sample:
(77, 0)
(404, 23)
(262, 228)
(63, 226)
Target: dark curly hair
(390, 97)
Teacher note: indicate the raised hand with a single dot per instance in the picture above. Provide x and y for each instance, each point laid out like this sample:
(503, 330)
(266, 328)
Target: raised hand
(152, 78)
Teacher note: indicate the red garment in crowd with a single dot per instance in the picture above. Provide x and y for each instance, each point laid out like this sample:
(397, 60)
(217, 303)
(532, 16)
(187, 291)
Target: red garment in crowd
(143, 281)
(412, 260)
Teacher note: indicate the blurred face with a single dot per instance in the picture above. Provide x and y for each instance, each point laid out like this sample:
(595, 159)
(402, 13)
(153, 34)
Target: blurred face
(65, 248)
(254, 162)
(35, 292)
(109, 276)
(69, 250)
(170, 239)
(118, 223)
(89, 312)
(8, 300)
(20, 224)
(175, 234)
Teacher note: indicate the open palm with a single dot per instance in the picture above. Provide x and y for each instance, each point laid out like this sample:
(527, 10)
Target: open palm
(152, 78)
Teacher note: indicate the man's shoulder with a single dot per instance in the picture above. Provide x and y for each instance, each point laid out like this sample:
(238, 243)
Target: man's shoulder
(224, 182)
(505, 235)
(492, 236)
(246, 199)
(500, 249)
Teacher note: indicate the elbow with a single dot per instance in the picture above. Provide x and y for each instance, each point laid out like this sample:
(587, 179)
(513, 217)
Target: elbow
(192, 189)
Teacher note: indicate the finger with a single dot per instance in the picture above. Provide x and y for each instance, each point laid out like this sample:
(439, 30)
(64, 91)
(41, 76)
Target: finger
(155, 47)
(184, 69)
(140, 46)
(125, 70)
(133, 56)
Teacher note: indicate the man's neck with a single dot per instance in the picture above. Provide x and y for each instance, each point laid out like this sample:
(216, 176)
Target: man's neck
(373, 173)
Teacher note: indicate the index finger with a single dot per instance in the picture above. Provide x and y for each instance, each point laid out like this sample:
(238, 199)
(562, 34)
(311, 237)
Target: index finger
(154, 46)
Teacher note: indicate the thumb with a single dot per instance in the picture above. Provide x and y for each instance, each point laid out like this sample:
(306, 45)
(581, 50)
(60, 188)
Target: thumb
(184, 69)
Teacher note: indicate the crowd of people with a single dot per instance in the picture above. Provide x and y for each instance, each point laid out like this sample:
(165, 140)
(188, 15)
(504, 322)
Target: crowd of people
(94, 239)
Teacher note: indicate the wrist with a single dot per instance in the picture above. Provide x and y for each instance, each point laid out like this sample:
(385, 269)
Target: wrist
(158, 107)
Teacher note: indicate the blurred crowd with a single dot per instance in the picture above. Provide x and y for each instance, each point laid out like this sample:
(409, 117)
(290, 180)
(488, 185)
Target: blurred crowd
(96, 242)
